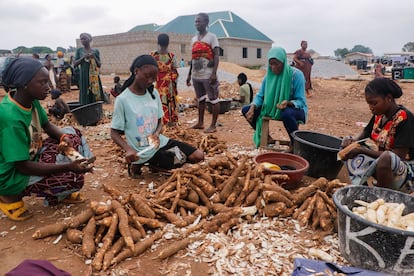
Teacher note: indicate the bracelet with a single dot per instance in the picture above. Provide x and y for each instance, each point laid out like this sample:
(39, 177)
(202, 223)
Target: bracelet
(63, 137)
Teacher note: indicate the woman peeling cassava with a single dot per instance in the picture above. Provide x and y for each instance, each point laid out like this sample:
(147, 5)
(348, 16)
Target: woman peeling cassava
(29, 165)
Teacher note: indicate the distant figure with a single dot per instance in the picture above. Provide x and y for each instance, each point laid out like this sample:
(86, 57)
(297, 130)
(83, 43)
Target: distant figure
(89, 60)
(303, 61)
(63, 78)
(204, 63)
(182, 63)
(246, 90)
(35, 56)
(68, 67)
(116, 90)
(60, 61)
(51, 69)
(60, 107)
(166, 83)
(379, 69)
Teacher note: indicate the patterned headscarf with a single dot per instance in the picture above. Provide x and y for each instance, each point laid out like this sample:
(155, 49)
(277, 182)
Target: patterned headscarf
(20, 71)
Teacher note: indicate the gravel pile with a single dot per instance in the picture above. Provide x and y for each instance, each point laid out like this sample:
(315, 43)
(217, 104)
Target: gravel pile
(325, 68)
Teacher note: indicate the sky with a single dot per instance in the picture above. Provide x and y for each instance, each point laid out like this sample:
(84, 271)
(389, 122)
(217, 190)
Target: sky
(383, 26)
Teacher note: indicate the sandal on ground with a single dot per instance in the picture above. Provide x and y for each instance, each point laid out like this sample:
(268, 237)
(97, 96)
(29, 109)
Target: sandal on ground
(134, 170)
(271, 141)
(155, 169)
(75, 197)
(15, 210)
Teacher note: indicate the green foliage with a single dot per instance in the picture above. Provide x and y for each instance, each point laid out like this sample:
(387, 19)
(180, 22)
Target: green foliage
(361, 49)
(63, 50)
(35, 49)
(71, 49)
(41, 50)
(253, 67)
(408, 47)
(341, 52)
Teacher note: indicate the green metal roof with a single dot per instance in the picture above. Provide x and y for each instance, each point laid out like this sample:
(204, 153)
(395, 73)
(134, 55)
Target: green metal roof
(223, 24)
(146, 27)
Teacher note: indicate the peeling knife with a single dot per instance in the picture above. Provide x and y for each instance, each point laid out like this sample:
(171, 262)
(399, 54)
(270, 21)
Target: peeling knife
(140, 153)
(362, 140)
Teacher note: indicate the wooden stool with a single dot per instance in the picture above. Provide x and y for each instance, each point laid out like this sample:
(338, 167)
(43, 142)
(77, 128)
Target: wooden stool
(265, 133)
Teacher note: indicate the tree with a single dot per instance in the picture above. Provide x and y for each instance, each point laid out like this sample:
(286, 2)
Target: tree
(361, 49)
(41, 50)
(21, 50)
(63, 50)
(35, 49)
(71, 49)
(408, 47)
(341, 52)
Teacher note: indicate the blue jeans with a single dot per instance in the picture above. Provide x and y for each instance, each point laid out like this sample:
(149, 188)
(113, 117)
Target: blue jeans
(290, 117)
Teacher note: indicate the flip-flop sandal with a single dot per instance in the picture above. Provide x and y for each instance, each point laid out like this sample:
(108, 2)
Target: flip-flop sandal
(15, 210)
(155, 169)
(75, 197)
(134, 170)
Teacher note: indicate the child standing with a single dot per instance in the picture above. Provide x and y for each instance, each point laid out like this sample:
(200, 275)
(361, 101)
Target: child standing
(138, 115)
(116, 90)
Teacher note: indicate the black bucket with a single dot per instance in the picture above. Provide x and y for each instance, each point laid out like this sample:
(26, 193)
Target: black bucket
(225, 105)
(321, 152)
(370, 245)
(88, 114)
(73, 105)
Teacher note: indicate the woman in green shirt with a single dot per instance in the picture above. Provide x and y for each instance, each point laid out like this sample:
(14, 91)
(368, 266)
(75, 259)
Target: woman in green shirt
(27, 163)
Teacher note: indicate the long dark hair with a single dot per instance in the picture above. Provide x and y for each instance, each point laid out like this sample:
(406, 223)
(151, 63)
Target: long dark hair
(139, 62)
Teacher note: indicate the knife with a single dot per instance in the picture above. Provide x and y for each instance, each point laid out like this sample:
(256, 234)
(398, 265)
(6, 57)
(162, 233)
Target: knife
(140, 153)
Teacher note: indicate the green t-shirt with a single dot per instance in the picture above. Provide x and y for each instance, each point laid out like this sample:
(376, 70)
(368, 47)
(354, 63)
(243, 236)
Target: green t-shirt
(15, 143)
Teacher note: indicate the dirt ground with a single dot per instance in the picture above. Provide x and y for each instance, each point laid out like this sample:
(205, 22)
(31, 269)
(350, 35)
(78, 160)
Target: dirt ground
(335, 109)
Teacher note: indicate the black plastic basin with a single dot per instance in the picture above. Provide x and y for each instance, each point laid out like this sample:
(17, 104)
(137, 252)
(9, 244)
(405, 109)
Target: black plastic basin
(321, 152)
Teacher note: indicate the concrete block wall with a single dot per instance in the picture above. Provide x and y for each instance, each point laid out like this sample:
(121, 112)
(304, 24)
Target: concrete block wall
(233, 51)
(119, 50)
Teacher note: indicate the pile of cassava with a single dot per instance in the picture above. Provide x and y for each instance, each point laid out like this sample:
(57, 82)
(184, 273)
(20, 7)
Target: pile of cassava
(209, 144)
(210, 197)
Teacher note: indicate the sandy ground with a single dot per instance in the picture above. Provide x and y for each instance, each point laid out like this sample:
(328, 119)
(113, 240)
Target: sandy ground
(335, 109)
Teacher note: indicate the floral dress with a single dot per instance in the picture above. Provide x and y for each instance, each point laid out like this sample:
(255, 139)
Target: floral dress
(166, 85)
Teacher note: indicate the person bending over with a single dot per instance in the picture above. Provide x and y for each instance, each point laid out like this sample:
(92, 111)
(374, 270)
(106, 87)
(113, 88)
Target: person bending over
(138, 115)
(390, 160)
